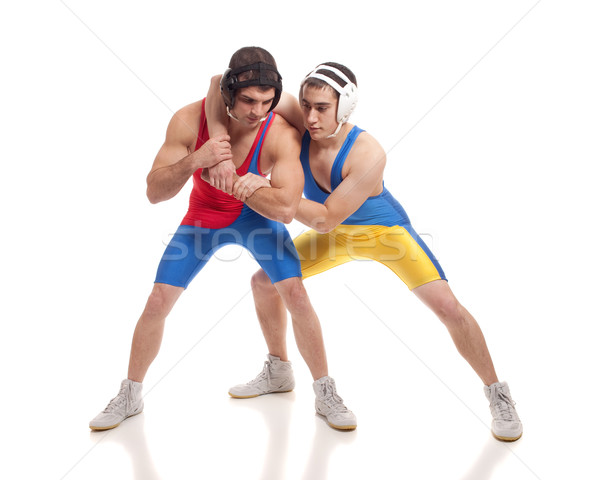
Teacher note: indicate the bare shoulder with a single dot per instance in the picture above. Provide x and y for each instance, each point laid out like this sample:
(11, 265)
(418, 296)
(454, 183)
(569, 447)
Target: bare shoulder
(284, 128)
(193, 108)
(366, 151)
(281, 143)
(367, 143)
(185, 123)
(282, 137)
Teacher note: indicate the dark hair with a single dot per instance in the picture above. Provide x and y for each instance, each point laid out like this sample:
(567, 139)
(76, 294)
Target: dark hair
(316, 83)
(251, 55)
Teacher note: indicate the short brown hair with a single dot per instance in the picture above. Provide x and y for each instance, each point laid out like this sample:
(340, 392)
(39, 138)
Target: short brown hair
(250, 55)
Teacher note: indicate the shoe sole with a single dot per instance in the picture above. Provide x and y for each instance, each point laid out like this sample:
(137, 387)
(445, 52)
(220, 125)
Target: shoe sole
(506, 439)
(258, 394)
(100, 429)
(346, 428)
(337, 427)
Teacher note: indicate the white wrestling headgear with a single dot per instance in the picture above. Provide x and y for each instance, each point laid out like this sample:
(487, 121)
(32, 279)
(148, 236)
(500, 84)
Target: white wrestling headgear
(348, 93)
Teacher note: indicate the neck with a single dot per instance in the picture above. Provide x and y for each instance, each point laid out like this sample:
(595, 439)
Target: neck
(334, 142)
(237, 129)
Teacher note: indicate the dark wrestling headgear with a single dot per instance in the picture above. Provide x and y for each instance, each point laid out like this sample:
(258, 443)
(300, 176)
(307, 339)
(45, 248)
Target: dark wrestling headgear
(230, 82)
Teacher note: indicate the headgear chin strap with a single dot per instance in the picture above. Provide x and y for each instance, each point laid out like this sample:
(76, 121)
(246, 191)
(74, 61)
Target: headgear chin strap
(230, 82)
(231, 115)
(348, 93)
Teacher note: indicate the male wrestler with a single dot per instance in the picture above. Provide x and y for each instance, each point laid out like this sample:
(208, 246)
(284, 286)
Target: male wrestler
(259, 142)
(354, 216)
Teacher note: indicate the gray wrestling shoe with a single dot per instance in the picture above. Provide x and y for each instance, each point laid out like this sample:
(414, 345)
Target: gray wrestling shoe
(276, 377)
(329, 404)
(126, 404)
(506, 424)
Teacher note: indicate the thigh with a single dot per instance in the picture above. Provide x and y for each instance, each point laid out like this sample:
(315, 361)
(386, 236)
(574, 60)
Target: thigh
(270, 244)
(403, 251)
(319, 252)
(186, 254)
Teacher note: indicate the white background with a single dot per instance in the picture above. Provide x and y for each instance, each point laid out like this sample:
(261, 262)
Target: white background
(489, 114)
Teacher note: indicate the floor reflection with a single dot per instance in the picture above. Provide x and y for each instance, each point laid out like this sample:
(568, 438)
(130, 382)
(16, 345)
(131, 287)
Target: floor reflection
(131, 436)
(491, 456)
(276, 411)
(325, 441)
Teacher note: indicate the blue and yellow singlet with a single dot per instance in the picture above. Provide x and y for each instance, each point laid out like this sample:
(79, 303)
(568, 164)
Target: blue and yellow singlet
(378, 230)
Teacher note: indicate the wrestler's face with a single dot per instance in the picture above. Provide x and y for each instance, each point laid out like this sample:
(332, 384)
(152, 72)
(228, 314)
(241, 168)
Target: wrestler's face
(252, 104)
(319, 109)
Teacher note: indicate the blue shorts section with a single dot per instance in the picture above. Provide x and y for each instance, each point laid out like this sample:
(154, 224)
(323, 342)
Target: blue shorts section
(191, 248)
(426, 249)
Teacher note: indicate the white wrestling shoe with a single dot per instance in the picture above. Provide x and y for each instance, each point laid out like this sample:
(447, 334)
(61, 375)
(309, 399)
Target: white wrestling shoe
(329, 404)
(126, 404)
(276, 377)
(506, 424)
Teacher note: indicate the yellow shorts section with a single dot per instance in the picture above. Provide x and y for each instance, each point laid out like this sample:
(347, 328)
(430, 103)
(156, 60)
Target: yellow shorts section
(394, 247)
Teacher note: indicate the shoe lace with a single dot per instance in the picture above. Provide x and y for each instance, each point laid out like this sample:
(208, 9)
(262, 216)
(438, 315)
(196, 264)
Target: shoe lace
(264, 375)
(332, 399)
(504, 407)
(117, 402)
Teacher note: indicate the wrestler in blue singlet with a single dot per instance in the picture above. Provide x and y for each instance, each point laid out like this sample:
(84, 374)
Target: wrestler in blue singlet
(379, 219)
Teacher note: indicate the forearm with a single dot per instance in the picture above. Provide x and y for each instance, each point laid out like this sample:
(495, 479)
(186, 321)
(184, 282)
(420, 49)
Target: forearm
(273, 203)
(166, 182)
(315, 215)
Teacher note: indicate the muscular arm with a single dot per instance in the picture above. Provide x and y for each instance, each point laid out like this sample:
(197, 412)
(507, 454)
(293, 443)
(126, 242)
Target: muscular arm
(280, 201)
(174, 164)
(216, 113)
(222, 175)
(289, 109)
(364, 177)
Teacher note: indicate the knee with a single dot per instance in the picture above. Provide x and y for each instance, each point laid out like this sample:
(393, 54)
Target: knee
(449, 311)
(261, 284)
(158, 304)
(295, 296)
